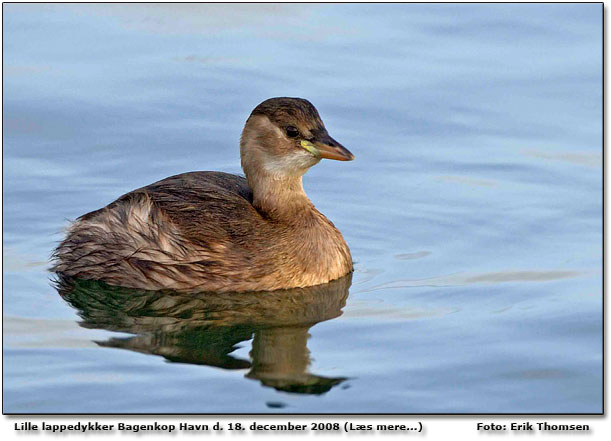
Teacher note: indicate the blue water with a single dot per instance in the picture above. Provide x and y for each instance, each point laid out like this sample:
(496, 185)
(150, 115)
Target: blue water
(473, 209)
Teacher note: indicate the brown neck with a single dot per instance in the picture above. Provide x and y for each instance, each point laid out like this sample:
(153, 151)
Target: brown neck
(279, 198)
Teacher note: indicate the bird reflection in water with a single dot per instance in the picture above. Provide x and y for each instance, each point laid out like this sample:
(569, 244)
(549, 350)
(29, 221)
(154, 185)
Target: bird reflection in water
(205, 328)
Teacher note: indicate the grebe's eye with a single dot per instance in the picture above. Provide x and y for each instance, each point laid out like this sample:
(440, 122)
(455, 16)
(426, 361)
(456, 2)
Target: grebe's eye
(292, 132)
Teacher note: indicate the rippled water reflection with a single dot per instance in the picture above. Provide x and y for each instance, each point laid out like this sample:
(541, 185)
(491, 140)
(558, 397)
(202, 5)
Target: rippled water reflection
(473, 209)
(205, 328)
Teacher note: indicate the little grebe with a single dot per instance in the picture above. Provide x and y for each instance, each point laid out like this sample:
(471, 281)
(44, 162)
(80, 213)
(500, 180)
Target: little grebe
(213, 231)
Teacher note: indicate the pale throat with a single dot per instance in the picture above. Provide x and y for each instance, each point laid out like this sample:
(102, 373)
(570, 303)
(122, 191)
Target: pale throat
(276, 193)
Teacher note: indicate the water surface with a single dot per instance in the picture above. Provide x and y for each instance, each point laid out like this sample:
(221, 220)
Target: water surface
(473, 209)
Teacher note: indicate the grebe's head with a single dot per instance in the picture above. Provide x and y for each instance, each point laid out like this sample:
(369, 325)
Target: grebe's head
(284, 137)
